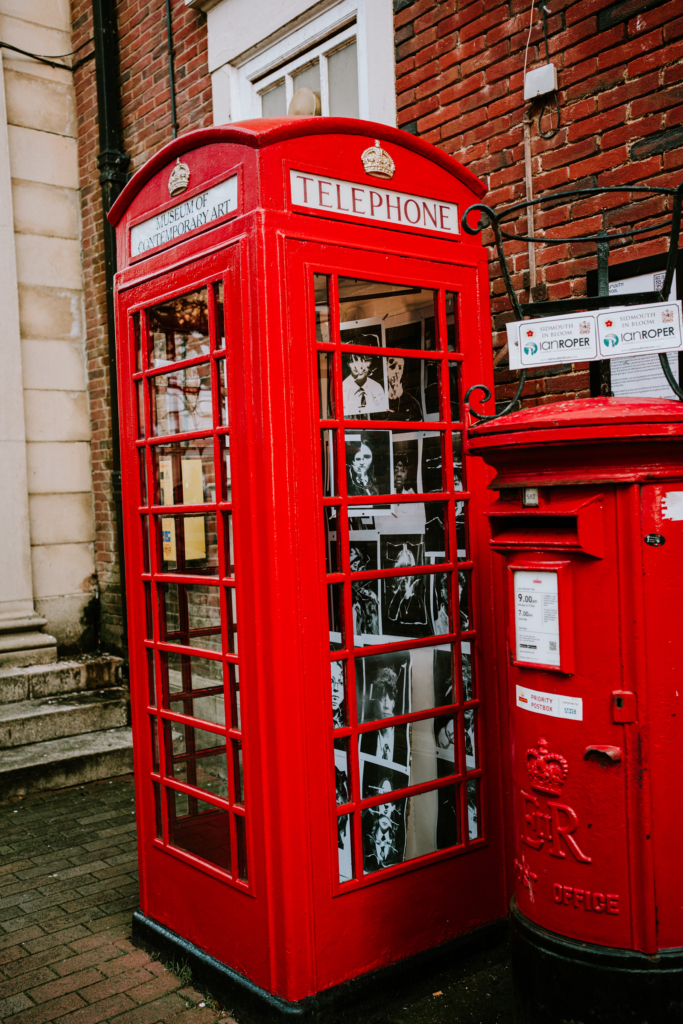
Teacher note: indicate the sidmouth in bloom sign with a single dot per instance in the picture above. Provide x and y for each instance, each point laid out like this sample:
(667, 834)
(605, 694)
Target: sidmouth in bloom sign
(584, 337)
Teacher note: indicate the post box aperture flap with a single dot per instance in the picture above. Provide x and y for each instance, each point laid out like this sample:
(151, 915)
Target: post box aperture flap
(298, 318)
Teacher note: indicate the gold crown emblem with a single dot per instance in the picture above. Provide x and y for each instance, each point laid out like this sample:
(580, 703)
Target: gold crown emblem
(179, 179)
(377, 162)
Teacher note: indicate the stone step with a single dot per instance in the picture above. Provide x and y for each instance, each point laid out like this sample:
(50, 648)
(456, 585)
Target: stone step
(34, 681)
(67, 714)
(69, 761)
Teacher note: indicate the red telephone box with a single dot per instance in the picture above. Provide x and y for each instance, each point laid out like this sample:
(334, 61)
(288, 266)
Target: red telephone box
(316, 743)
(588, 529)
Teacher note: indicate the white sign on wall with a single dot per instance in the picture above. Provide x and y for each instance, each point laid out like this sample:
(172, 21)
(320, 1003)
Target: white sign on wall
(372, 202)
(185, 216)
(552, 339)
(641, 376)
(614, 333)
(537, 622)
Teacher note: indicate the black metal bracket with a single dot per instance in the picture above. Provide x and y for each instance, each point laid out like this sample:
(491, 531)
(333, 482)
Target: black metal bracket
(671, 223)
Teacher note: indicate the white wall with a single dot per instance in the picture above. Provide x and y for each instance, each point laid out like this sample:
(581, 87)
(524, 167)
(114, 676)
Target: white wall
(240, 30)
(42, 152)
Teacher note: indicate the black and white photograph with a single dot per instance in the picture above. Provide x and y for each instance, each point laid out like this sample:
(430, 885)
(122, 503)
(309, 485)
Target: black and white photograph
(435, 532)
(368, 462)
(464, 592)
(402, 550)
(383, 684)
(368, 333)
(432, 476)
(364, 385)
(404, 601)
(338, 695)
(343, 796)
(439, 585)
(442, 674)
(405, 459)
(384, 833)
(404, 378)
(375, 773)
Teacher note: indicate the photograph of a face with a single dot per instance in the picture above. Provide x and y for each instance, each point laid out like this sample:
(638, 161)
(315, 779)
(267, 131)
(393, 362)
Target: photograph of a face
(383, 686)
(338, 697)
(364, 385)
(405, 464)
(384, 833)
(367, 462)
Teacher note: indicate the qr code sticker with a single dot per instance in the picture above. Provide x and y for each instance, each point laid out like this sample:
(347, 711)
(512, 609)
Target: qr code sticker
(553, 645)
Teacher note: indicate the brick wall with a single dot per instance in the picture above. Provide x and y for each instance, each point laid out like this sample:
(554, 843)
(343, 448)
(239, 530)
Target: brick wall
(145, 126)
(459, 73)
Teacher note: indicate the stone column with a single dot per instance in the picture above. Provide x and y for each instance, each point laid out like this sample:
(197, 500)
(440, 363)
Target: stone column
(21, 642)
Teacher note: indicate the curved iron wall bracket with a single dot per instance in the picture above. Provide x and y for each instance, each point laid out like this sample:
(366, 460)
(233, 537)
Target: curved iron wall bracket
(602, 239)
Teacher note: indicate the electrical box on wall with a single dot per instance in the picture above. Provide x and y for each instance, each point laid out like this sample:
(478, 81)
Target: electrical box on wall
(540, 81)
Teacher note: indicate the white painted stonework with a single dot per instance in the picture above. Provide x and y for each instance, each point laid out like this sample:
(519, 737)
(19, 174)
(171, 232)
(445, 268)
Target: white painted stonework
(46, 508)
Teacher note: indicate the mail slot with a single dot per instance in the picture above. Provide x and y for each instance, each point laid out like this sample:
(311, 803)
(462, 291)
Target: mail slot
(588, 535)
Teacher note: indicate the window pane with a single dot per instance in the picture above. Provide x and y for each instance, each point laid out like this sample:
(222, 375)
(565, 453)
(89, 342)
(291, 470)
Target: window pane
(274, 102)
(405, 755)
(205, 831)
(452, 322)
(382, 314)
(345, 847)
(235, 706)
(191, 615)
(467, 670)
(222, 367)
(342, 76)
(179, 328)
(189, 761)
(322, 309)
(308, 77)
(220, 314)
(328, 439)
(470, 738)
(407, 681)
(325, 392)
(390, 388)
(188, 544)
(473, 808)
(393, 461)
(339, 716)
(334, 611)
(194, 687)
(182, 400)
(399, 831)
(331, 516)
(184, 473)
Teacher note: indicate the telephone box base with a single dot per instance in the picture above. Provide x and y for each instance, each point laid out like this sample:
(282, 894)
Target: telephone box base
(255, 1005)
(557, 980)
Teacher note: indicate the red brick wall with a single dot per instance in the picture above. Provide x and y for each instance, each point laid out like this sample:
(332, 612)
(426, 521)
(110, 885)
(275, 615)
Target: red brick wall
(459, 73)
(145, 127)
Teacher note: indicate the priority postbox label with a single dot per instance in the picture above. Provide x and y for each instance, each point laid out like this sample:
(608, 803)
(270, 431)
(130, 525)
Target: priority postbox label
(555, 705)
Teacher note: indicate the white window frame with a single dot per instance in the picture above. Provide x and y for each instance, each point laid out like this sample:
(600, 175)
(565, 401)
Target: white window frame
(318, 55)
(238, 81)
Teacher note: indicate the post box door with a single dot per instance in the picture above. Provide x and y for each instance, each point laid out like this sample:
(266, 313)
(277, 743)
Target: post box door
(411, 808)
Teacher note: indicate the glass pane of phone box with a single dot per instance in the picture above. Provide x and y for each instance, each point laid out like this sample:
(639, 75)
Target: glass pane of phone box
(199, 828)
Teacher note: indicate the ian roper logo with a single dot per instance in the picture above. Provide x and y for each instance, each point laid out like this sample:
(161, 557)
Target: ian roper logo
(530, 347)
(611, 340)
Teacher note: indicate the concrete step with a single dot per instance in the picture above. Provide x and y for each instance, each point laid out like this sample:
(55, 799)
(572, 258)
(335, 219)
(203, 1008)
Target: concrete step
(69, 761)
(34, 681)
(67, 714)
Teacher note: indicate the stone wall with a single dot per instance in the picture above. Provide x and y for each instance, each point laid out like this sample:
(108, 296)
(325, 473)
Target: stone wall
(145, 127)
(46, 250)
(459, 74)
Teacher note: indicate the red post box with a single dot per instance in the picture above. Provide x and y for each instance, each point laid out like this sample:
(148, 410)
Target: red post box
(588, 528)
(317, 765)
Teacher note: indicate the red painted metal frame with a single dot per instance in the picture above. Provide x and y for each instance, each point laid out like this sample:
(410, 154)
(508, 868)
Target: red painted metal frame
(293, 929)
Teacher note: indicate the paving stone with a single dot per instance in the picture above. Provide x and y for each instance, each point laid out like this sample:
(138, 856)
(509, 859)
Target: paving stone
(13, 1004)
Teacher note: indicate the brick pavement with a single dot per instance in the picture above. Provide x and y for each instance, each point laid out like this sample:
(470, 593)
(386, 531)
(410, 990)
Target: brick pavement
(68, 888)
